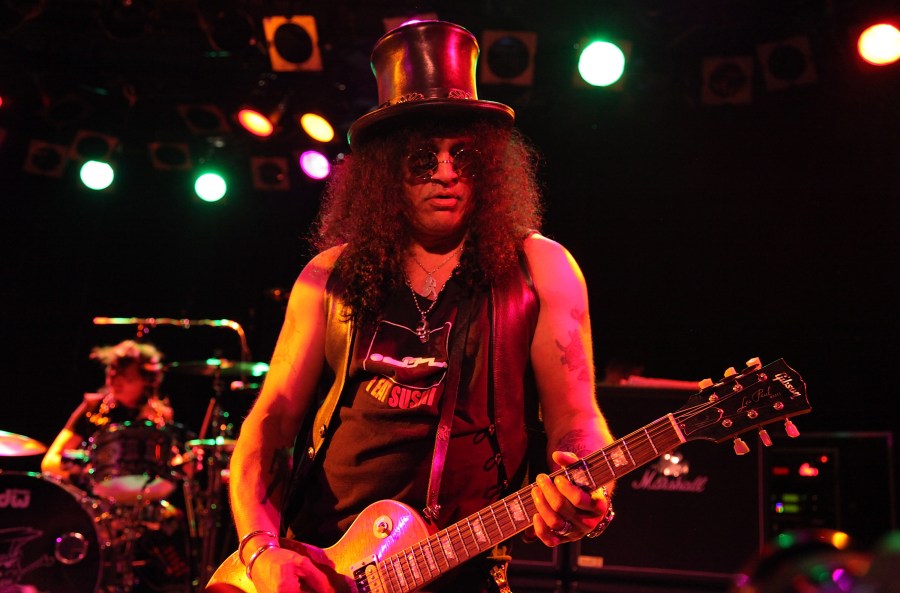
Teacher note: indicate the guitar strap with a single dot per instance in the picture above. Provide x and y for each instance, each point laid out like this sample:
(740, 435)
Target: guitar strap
(448, 406)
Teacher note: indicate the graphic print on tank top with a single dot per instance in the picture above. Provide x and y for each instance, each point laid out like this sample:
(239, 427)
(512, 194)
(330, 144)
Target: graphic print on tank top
(408, 373)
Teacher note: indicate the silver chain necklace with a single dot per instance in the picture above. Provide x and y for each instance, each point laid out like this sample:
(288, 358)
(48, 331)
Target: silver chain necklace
(422, 329)
(429, 286)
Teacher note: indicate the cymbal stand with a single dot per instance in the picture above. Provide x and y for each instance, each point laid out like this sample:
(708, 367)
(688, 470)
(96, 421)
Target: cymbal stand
(206, 517)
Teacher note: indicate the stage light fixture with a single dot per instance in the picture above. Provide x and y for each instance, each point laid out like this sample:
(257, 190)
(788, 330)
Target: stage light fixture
(787, 63)
(46, 158)
(170, 156)
(508, 57)
(228, 28)
(314, 164)
(90, 145)
(293, 43)
(67, 109)
(210, 186)
(257, 122)
(879, 44)
(204, 119)
(727, 80)
(270, 173)
(96, 175)
(602, 63)
(317, 127)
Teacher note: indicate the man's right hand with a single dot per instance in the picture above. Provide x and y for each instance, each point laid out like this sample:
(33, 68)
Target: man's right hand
(279, 570)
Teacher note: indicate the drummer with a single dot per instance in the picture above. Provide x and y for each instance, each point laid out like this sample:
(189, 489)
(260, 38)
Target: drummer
(134, 372)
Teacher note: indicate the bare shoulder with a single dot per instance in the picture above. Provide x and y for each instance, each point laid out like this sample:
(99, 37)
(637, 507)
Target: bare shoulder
(550, 262)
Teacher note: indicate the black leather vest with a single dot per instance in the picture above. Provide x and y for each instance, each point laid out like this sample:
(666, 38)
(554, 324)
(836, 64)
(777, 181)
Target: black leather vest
(513, 311)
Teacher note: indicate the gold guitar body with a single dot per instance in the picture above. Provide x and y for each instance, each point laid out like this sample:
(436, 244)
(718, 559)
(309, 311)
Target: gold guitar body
(382, 529)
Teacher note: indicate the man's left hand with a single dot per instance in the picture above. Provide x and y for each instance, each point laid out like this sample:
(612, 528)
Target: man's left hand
(565, 512)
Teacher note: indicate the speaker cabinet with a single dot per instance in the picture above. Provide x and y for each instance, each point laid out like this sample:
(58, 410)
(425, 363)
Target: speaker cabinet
(694, 512)
(536, 558)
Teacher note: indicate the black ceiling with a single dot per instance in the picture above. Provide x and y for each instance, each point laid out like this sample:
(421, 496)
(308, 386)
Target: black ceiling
(707, 234)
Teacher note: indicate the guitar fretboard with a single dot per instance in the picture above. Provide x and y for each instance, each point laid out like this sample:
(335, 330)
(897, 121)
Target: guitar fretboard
(422, 563)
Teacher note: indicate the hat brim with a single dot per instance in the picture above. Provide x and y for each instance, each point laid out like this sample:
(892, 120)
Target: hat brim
(374, 122)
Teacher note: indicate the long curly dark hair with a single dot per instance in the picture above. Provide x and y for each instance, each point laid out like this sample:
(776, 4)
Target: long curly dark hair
(364, 207)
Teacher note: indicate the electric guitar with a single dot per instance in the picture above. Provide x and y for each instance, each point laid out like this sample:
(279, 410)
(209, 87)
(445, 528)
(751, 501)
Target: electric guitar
(390, 549)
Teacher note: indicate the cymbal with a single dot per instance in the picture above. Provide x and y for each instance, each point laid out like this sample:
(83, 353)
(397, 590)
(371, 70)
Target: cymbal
(219, 366)
(17, 445)
(216, 443)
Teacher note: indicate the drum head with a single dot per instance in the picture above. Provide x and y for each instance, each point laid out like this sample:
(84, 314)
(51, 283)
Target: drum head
(132, 461)
(50, 537)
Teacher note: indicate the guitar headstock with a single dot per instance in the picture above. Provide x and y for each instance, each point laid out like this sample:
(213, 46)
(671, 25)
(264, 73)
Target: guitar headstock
(742, 401)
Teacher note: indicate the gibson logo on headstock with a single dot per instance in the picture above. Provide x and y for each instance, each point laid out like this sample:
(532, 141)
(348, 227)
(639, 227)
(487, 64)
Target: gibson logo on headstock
(787, 381)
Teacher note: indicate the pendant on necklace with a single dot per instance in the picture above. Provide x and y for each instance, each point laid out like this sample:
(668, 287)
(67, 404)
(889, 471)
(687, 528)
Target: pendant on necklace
(422, 331)
(430, 286)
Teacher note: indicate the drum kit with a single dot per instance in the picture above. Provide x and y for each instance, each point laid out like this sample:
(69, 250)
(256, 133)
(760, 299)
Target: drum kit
(116, 526)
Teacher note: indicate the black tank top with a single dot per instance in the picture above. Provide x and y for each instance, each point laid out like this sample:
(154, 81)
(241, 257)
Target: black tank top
(383, 433)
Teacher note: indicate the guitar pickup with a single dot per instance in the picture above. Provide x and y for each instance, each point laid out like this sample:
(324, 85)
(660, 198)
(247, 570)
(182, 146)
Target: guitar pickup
(365, 575)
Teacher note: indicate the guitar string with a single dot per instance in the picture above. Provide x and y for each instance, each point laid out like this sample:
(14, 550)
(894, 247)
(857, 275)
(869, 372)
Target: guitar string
(408, 574)
(505, 526)
(642, 443)
(640, 439)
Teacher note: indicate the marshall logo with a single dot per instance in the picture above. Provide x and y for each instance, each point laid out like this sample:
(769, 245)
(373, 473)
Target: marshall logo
(14, 498)
(653, 480)
(670, 473)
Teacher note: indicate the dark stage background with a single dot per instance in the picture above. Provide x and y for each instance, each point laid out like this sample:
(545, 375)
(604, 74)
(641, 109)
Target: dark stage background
(707, 233)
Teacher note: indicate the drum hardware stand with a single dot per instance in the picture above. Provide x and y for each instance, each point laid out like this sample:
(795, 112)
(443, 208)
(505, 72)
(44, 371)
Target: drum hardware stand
(207, 505)
(124, 542)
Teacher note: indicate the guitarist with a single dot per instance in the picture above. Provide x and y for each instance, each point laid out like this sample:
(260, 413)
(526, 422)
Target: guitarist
(431, 291)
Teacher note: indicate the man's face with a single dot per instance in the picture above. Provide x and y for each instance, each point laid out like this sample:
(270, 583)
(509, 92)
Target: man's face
(437, 185)
(128, 384)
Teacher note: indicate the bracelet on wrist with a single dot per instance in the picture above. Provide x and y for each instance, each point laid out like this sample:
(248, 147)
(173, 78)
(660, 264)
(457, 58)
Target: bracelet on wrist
(250, 536)
(600, 527)
(256, 555)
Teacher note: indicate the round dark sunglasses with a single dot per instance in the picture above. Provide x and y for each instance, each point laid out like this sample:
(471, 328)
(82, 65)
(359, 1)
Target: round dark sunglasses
(423, 162)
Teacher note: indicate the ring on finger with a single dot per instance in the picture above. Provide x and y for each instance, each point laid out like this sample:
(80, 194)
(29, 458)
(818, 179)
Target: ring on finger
(565, 530)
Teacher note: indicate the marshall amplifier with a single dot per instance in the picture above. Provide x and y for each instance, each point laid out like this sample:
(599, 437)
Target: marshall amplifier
(693, 513)
(535, 558)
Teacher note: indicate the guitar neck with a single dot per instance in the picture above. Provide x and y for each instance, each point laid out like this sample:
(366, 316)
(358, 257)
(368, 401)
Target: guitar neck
(421, 563)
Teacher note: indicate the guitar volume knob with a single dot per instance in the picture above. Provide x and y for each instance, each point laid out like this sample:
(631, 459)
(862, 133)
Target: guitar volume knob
(382, 527)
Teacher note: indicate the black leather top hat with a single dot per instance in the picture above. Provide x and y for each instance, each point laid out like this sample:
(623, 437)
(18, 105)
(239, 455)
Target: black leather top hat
(424, 69)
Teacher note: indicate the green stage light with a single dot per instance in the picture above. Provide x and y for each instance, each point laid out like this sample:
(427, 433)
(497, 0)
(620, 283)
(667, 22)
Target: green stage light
(97, 175)
(210, 187)
(601, 63)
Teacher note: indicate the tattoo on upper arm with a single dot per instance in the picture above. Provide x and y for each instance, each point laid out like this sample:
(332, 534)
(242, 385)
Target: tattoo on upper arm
(279, 469)
(573, 354)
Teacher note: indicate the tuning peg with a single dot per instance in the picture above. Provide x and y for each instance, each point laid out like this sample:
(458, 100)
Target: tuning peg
(753, 364)
(765, 438)
(705, 383)
(791, 430)
(730, 372)
(740, 447)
